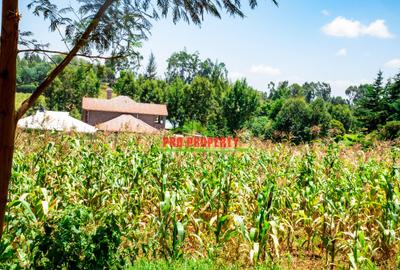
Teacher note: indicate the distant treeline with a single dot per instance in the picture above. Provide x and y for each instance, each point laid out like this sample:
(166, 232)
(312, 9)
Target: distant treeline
(201, 98)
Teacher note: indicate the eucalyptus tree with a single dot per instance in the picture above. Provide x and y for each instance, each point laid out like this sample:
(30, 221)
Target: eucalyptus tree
(151, 68)
(113, 27)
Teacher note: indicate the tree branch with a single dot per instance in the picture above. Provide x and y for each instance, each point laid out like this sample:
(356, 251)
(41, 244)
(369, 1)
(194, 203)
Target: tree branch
(78, 54)
(50, 78)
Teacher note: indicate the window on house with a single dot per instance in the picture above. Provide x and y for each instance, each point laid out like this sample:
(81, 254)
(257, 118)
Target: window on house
(159, 119)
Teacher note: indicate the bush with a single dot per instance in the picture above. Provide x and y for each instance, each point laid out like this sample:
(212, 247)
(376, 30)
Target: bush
(390, 131)
(260, 127)
(337, 128)
(195, 127)
(69, 243)
(191, 127)
(359, 138)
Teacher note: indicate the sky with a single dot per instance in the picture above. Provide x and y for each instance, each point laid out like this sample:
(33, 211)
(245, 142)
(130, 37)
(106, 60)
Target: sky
(341, 42)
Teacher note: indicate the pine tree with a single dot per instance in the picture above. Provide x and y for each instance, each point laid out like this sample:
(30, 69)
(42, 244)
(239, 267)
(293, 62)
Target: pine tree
(393, 99)
(371, 105)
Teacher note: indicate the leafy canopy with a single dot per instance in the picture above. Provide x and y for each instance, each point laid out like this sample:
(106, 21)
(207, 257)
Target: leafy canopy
(125, 24)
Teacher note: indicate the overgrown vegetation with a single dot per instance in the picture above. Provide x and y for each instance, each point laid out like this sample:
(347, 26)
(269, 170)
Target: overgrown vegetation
(200, 98)
(109, 202)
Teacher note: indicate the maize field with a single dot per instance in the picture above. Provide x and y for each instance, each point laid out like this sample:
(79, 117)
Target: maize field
(106, 202)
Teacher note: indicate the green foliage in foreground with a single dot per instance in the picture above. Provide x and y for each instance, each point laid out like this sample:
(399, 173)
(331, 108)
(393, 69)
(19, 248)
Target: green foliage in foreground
(189, 265)
(113, 202)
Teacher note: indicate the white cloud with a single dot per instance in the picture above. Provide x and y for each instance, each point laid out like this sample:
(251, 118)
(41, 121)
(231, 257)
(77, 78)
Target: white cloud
(394, 63)
(265, 70)
(378, 29)
(342, 27)
(325, 12)
(342, 52)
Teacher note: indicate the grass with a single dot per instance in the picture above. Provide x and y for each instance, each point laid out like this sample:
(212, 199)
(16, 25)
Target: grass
(180, 265)
(321, 205)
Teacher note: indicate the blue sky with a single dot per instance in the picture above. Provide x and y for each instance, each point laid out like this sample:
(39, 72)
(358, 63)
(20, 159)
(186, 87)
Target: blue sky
(338, 41)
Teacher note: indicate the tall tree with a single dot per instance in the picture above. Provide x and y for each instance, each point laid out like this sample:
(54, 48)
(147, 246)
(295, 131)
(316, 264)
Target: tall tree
(320, 116)
(128, 85)
(187, 66)
(294, 119)
(200, 100)
(104, 25)
(68, 89)
(392, 99)
(151, 69)
(370, 107)
(240, 104)
(176, 102)
(183, 65)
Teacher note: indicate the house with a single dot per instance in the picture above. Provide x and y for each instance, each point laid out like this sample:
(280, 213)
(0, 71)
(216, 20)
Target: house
(57, 121)
(97, 111)
(127, 123)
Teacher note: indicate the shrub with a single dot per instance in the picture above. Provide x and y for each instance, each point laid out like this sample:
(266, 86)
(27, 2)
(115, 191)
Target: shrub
(68, 242)
(391, 130)
(337, 128)
(260, 127)
(192, 127)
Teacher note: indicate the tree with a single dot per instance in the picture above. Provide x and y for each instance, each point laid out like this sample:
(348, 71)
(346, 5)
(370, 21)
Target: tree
(199, 101)
(109, 25)
(105, 74)
(240, 104)
(294, 119)
(320, 116)
(151, 69)
(338, 100)
(176, 102)
(392, 99)
(183, 65)
(68, 89)
(127, 85)
(282, 91)
(370, 106)
(323, 91)
(214, 71)
(153, 91)
(296, 90)
(31, 69)
(189, 65)
(314, 90)
(260, 127)
(354, 93)
(343, 114)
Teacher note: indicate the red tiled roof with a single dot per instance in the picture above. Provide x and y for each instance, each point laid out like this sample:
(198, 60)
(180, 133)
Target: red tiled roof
(123, 104)
(127, 123)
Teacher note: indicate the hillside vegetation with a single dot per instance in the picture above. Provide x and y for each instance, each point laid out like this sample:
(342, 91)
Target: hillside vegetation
(91, 202)
(201, 98)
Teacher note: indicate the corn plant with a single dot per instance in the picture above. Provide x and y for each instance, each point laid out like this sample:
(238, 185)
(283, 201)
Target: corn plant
(123, 198)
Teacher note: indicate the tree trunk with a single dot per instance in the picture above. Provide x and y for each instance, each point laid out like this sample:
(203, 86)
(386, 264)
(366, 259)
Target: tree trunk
(8, 70)
(8, 74)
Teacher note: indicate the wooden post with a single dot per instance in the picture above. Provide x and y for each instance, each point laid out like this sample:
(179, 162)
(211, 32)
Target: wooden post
(8, 75)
